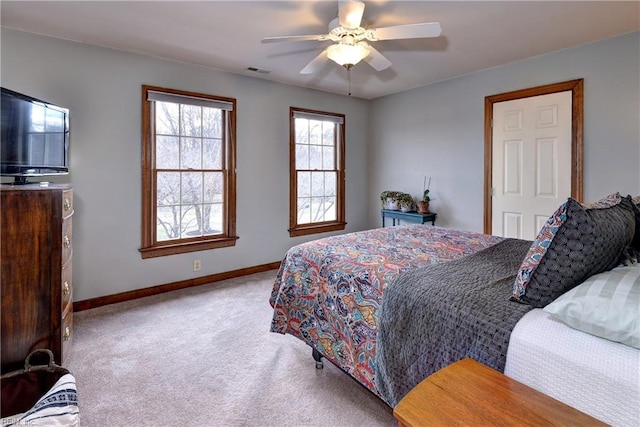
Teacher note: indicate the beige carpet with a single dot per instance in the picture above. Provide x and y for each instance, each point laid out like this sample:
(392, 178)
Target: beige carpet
(205, 357)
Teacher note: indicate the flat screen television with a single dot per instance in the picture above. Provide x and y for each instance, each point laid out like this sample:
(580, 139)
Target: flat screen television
(34, 137)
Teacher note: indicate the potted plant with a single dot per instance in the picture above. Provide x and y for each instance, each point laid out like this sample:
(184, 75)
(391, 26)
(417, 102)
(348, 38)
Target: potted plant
(390, 200)
(423, 205)
(406, 203)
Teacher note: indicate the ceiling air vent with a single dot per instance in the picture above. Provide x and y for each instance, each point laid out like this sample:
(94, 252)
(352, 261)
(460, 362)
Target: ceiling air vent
(258, 70)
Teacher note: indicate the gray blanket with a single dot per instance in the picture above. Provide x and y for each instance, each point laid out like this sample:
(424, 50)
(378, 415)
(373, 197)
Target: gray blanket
(433, 316)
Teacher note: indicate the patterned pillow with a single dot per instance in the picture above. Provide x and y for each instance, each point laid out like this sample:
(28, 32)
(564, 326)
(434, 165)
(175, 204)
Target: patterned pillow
(576, 242)
(605, 305)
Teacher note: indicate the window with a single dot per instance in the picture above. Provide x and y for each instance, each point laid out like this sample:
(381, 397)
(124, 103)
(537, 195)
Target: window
(317, 172)
(188, 172)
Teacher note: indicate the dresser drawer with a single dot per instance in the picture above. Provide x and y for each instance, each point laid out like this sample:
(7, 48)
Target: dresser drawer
(67, 285)
(67, 203)
(67, 248)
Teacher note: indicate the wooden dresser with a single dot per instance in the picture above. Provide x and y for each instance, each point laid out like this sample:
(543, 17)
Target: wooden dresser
(36, 279)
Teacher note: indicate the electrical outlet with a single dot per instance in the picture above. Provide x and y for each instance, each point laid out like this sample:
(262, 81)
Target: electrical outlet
(197, 265)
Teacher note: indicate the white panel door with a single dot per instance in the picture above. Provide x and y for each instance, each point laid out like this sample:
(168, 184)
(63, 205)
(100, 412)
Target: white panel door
(531, 173)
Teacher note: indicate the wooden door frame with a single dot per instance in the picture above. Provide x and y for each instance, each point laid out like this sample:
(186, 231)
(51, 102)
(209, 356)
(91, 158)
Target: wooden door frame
(577, 143)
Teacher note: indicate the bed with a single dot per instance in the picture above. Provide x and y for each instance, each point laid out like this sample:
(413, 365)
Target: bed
(390, 306)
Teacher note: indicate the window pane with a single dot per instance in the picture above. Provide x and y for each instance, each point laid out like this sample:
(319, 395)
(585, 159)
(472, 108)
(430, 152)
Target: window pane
(330, 211)
(192, 188)
(168, 211)
(213, 187)
(304, 184)
(211, 122)
(212, 154)
(304, 210)
(302, 131)
(168, 188)
(302, 156)
(168, 223)
(317, 209)
(212, 219)
(317, 183)
(189, 225)
(190, 153)
(328, 133)
(191, 120)
(167, 115)
(167, 152)
(315, 132)
(315, 157)
(330, 183)
(328, 160)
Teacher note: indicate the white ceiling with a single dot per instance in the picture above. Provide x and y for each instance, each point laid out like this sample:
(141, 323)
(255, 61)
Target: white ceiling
(226, 35)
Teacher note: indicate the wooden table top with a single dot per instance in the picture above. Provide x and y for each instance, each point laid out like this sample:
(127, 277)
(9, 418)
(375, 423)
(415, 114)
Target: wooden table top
(468, 393)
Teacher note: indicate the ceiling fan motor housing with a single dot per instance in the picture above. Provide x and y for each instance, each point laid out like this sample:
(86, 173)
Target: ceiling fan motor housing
(338, 33)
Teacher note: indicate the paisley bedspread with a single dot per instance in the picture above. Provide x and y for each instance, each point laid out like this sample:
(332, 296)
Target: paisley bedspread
(328, 291)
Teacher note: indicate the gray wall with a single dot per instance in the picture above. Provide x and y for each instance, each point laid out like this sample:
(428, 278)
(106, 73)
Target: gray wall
(392, 143)
(102, 88)
(437, 130)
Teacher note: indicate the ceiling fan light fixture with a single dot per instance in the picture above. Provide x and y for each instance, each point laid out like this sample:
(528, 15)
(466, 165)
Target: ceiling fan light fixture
(348, 54)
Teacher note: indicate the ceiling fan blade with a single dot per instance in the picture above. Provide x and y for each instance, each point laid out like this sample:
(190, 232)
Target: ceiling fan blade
(312, 66)
(350, 13)
(409, 31)
(377, 60)
(317, 37)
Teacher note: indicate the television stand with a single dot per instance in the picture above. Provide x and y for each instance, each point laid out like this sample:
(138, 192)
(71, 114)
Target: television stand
(24, 180)
(19, 180)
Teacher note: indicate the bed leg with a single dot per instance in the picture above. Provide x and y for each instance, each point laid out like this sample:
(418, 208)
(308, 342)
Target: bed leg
(318, 358)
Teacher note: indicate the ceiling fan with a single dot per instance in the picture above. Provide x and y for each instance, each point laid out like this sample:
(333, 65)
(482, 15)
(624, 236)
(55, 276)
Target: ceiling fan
(351, 40)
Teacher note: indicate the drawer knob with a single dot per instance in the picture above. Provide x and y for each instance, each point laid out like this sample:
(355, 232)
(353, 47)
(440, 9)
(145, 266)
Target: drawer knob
(67, 205)
(66, 336)
(66, 289)
(66, 242)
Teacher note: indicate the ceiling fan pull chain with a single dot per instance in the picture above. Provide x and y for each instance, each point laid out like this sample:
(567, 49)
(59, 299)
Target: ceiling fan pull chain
(349, 77)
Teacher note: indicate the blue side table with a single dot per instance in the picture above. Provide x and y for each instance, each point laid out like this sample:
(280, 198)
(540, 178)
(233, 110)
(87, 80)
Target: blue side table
(408, 216)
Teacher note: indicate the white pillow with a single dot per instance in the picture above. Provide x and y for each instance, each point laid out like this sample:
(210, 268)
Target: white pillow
(606, 305)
